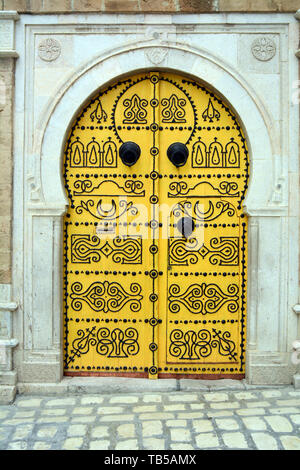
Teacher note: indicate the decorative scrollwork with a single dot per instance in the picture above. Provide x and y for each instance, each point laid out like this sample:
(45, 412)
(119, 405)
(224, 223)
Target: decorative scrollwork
(173, 111)
(203, 189)
(124, 250)
(214, 155)
(223, 251)
(135, 112)
(203, 298)
(110, 213)
(86, 249)
(110, 343)
(109, 188)
(192, 345)
(93, 155)
(106, 296)
(211, 112)
(214, 210)
(98, 114)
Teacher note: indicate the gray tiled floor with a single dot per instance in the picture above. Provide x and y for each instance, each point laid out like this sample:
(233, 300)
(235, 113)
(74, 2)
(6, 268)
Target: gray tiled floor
(241, 419)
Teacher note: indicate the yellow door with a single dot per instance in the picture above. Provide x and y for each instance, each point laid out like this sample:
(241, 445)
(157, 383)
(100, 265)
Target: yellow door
(155, 241)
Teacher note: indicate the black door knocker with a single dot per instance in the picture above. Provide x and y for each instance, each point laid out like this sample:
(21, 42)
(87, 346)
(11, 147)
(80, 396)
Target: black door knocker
(129, 153)
(186, 226)
(178, 154)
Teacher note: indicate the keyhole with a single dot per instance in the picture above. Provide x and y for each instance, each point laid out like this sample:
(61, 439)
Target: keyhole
(186, 226)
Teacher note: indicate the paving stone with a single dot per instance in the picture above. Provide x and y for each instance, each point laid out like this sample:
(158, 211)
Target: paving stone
(22, 432)
(61, 402)
(190, 415)
(290, 442)
(279, 423)
(227, 424)
(29, 403)
(202, 425)
(126, 400)
(3, 414)
(254, 423)
(218, 414)
(73, 443)
(271, 393)
(197, 406)
(235, 440)
(283, 411)
(295, 418)
(152, 428)
(126, 430)
(53, 412)
(40, 445)
(258, 404)
(24, 414)
(83, 419)
(99, 445)
(288, 402)
(84, 411)
(110, 410)
(245, 396)
(181, 446)
(264, 441)
(180, 434)
(153, 444)
(207, 441)
(19, 445)
(47, 432)
(77, 430)
(251, 412)
(144, 409)
(99, 431)
(92, 400)
(156, 416)
(152, 399)
(113, 418)
(183, 398)
(58, 419)
(16, 422)
(130, 444)
(177, 407)
(225, 406)
(176, 423)
(216, 396)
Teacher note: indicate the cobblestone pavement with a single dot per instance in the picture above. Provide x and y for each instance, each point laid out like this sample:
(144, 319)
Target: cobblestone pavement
(251, 419)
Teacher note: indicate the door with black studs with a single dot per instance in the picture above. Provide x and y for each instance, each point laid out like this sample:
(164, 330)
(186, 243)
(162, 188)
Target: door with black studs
(156, 169)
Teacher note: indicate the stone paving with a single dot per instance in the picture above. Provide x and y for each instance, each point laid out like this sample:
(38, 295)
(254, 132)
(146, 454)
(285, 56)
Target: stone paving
(264, 419)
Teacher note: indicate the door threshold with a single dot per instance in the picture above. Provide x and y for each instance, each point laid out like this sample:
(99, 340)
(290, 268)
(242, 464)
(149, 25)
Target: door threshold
(108, 385)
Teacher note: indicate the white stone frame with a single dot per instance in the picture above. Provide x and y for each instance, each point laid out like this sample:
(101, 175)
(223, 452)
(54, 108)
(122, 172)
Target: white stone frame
(271, 202)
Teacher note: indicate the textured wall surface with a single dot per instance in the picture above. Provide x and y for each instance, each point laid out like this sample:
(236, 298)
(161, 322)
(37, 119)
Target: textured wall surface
(188, 6)
(6, 100)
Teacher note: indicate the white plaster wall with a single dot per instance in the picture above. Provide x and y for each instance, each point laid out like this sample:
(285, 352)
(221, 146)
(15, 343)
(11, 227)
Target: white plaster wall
(96, 49)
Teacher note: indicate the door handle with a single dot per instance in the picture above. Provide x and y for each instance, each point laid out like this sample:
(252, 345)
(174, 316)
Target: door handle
(178, 154)
(129, 153)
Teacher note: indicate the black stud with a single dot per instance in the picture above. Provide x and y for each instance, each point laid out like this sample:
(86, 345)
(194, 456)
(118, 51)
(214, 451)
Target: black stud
(129, 153)
(186, 226)
(178, 154)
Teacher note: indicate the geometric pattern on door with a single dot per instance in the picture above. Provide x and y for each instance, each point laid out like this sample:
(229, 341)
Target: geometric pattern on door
(140, 299)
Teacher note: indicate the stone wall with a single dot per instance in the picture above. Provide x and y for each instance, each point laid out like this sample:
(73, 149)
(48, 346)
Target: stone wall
(170, 6)
(6, 105)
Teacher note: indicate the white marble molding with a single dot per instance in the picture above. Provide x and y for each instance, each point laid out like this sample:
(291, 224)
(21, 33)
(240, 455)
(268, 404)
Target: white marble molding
(96, 49)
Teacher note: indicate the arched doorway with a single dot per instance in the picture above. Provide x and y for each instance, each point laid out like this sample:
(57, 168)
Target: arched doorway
(155, 241)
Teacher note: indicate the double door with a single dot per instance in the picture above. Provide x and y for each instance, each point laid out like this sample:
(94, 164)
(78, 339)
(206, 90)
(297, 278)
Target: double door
(155, 240)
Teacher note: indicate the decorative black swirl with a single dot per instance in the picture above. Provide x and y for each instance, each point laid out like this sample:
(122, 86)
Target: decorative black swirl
(192, 345)
(173, 111)
(224, 251)
(106, 297)
(203, 298)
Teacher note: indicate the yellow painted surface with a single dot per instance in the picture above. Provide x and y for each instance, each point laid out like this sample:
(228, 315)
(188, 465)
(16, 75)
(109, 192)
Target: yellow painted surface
(140, 298)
